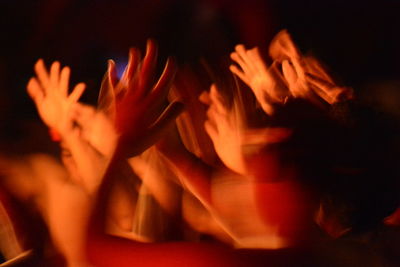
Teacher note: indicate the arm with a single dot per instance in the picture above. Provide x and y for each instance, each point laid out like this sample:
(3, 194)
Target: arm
(59, 111)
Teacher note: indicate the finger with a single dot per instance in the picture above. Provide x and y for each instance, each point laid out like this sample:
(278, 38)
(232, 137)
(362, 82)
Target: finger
(148, 67)
(289, 74)
(35, 91)
(160, 90)
(54, 76)
(235, 70)
(282, 46)
(256, 59)
(290, 47)
(154, 101)
(299, 67)
(117, 86)
(245, 56)
(241, 52)
(216, 100)
(236, 57)
(64, 81)
(76, 93)
(106, 98)
(133, 63)
(112, 74)
(42, 74)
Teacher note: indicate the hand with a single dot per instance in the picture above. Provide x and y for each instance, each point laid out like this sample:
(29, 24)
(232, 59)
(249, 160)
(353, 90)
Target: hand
(266, 83)
(49, 91)
(305, 75)
(225, 129)
(283, 48)
(139, 110)
(285, 52)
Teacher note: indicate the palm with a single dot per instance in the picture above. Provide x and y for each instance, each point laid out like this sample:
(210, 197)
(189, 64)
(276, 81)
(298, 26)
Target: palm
(263, 81)
(50, 94)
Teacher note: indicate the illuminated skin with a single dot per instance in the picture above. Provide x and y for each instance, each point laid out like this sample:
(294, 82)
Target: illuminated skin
(50, 94)
(195, 176)
(81, 127)
(117, 99)
(62, 113)
(254, 72)
(303, 76)
(59, 111)
(43, 184)
(221, 191)
(229, 133)
(261, 174)
(223, 127)
(108, 251)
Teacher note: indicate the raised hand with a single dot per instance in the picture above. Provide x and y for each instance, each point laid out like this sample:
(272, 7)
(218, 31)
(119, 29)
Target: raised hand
(305, 75)
(230, 135)
(225, 129)
(137, 100)
(49, 91)
(266, 83)
(285, 52)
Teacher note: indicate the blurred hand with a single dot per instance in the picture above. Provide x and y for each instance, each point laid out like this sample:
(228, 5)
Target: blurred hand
(263, 81)
(225, 129)
(49, 91)
(305, 75)
(137, 102)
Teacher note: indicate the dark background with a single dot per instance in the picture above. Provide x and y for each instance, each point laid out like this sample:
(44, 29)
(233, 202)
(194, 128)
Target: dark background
(359, 40)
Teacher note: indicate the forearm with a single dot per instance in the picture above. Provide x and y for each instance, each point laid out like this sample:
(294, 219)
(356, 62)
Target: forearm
(194, 174)
(90, 164)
